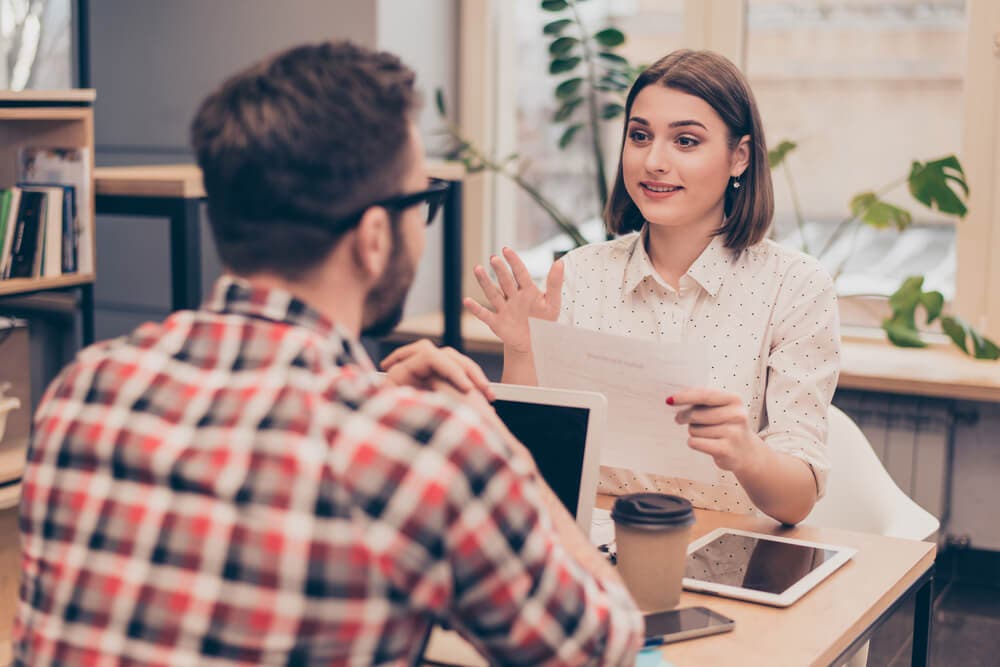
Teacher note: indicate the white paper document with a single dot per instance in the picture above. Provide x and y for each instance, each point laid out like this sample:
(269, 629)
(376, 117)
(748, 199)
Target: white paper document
(636, 376)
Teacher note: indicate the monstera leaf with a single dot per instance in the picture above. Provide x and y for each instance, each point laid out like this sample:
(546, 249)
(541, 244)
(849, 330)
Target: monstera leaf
(934, 185)
(901, 328)
(959, 330)
(874, 211)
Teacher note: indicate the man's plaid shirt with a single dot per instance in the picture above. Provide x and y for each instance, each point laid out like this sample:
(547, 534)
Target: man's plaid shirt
(236, 486)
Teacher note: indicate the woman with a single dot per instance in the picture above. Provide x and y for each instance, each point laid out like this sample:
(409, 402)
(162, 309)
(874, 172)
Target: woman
(692, 202)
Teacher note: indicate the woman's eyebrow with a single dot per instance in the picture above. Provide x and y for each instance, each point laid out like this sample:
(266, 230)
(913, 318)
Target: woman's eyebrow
(639, 120)
(685, 123)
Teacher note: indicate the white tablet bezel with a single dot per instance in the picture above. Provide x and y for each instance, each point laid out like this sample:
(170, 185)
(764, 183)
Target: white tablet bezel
(792, 593)
(597, 424)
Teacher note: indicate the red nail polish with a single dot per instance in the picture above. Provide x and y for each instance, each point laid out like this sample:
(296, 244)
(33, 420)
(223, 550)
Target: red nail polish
(670, 400)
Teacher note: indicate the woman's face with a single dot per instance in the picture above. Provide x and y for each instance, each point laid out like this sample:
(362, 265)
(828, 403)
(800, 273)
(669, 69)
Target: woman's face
(676, 160)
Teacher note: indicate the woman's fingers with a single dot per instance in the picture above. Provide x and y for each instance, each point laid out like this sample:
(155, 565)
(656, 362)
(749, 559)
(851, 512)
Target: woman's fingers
(715, 431)
(711, 446)
(553, 287)
(504, 276)
(521, 274)
(701, 396)
(726, 414)
(490, 290)
(481, 312)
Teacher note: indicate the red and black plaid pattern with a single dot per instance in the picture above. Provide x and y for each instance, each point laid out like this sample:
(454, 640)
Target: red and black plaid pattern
(235, 486)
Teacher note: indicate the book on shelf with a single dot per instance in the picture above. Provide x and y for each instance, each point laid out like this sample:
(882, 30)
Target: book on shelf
(5, 198)
(24, 258)
(37, 233)
(60, 241)
(50, 237)
(10, 221)
(66, 167)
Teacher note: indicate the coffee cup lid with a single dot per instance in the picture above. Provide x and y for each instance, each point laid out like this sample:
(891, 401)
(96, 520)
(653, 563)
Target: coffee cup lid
(652, 509)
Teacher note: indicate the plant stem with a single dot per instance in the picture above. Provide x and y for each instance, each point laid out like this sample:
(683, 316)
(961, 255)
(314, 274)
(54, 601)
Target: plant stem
(800, 220)
(548, 207)
(595, 136)
(847, 257)
(557, 216)
(841, 226)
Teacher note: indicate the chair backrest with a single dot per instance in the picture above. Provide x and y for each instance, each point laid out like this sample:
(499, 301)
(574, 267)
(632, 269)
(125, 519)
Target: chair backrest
(860, 494)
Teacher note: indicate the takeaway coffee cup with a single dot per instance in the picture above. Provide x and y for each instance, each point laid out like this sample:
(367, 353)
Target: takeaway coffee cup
(652, 531)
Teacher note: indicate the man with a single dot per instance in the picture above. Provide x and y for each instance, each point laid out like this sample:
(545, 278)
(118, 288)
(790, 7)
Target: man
(236, 485)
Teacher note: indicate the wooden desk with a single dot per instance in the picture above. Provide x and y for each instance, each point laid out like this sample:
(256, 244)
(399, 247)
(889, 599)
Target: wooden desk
(175, 192)
(823, 628)
(834, 619)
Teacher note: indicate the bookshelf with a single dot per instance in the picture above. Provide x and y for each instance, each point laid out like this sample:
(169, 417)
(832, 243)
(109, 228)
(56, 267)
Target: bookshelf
(56, 119)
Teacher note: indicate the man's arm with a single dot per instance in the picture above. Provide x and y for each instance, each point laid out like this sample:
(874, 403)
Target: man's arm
(529, 587)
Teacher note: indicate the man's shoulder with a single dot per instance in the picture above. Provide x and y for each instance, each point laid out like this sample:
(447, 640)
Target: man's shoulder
(430, 419)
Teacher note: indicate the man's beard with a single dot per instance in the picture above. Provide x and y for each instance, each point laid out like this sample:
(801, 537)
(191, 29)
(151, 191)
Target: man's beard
(384, 303)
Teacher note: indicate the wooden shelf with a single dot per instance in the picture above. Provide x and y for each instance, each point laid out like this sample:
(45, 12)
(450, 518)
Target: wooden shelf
(68, 96)
(47, 115)
(52, 119)
(870, 365)
(25, 285)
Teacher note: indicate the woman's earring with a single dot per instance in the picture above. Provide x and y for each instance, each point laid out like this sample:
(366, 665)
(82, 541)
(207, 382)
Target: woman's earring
(736, 183)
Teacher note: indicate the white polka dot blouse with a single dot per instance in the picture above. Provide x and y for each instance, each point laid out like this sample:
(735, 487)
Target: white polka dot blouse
(768, 317)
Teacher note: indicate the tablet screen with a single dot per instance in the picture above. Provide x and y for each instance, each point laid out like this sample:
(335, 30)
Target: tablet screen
(750, 562)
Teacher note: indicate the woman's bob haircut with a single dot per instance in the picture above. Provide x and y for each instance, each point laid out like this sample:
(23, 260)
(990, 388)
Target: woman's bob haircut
(713, 78)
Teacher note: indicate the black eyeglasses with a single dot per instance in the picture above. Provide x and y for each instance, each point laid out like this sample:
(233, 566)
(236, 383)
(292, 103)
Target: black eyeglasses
(431, 199)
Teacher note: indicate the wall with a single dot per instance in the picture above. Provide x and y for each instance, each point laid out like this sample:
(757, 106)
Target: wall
(975, 491)
(152, 63)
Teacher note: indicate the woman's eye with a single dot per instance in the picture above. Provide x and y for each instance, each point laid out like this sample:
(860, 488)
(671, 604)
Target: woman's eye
(638, 135)
(687, 142)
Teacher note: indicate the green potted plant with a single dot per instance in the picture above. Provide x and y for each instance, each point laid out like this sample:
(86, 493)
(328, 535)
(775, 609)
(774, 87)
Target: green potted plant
(593, 81)
(938, 185)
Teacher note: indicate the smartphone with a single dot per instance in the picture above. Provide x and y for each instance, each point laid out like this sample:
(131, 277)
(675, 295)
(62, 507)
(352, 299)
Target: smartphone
(676, 625)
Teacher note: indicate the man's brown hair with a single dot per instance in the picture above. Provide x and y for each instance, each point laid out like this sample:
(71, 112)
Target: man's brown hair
(291, 145)
(713, 78)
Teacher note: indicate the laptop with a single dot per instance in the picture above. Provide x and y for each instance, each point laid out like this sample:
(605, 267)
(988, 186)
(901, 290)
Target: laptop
(564, 431)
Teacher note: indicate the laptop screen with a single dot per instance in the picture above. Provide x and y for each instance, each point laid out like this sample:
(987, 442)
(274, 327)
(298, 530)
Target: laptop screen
(556, 436)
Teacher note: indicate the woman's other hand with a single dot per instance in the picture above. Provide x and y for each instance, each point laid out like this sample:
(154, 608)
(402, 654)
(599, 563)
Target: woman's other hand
(514, 298)
(718, 425)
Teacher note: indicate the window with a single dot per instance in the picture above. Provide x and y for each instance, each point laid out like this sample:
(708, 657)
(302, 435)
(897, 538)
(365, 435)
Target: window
(35, 44)
(862, 86)
(566, 176)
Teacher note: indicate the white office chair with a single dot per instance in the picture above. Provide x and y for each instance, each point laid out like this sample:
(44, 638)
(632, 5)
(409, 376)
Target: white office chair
(861, 496)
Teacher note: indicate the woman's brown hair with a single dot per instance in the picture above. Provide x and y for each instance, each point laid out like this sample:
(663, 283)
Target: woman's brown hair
(713, 78)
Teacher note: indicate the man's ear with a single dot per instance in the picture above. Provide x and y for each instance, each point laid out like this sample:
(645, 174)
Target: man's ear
(741, 157)
(372, 242)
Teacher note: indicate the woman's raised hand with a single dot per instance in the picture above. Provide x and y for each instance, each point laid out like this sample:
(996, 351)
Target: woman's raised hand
(514, 298)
